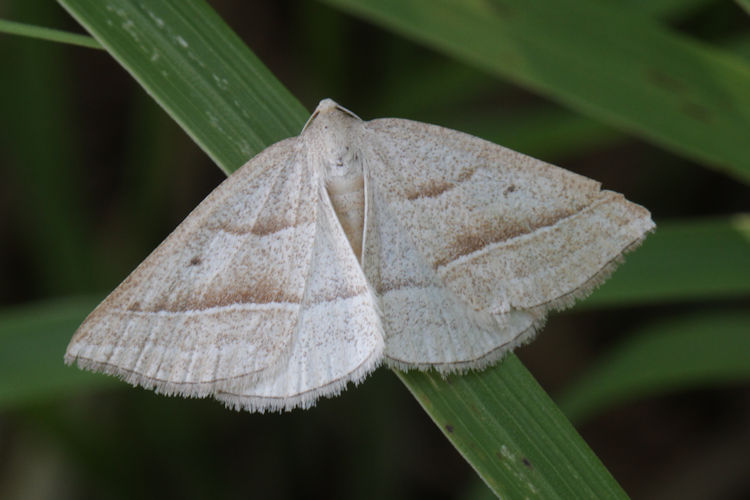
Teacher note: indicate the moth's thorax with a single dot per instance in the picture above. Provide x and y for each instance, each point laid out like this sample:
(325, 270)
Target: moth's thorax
(335, 133)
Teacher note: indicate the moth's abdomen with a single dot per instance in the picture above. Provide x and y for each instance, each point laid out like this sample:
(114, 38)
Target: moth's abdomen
(347, 195)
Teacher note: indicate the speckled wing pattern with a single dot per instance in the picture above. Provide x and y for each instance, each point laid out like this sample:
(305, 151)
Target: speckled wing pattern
(255, 298)
(353, 244)
(470, 244)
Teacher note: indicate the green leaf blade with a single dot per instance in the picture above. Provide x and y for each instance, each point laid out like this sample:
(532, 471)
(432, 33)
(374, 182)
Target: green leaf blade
(697, 350)
(513, 435)
(683, 260)
(51, 35)
(604, 60)
(186, 57)
(32, 344)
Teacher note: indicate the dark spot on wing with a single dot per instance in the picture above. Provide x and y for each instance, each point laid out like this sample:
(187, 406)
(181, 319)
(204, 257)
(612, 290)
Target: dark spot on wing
(430, 190)
(269, 225)
(434, 188)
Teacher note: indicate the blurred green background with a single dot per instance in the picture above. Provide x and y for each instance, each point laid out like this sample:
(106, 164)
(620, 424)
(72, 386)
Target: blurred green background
(653, 369)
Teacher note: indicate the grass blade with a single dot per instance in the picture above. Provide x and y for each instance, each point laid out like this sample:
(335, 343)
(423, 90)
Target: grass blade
(52, 35)
(695, 350)
(199, 71)
(33, 340)
(513, 435)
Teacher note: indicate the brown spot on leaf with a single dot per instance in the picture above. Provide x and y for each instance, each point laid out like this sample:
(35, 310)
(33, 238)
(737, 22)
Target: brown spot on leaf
(500, 8)
(697, 111)
(664, 80)
(526, 462)
(449, 428)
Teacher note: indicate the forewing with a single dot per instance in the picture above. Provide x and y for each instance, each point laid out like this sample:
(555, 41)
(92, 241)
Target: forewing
(339, 337)
(218, 302)
(502, 230)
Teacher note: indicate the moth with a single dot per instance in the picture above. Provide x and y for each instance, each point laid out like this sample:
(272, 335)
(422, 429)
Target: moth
(352, 245)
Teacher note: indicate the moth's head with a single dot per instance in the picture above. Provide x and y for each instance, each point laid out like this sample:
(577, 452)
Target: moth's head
(333, 136)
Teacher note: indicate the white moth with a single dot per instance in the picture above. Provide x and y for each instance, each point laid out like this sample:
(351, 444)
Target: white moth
(355, 244)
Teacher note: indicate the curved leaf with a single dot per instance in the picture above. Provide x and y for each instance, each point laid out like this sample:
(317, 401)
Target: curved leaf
(691, 351)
